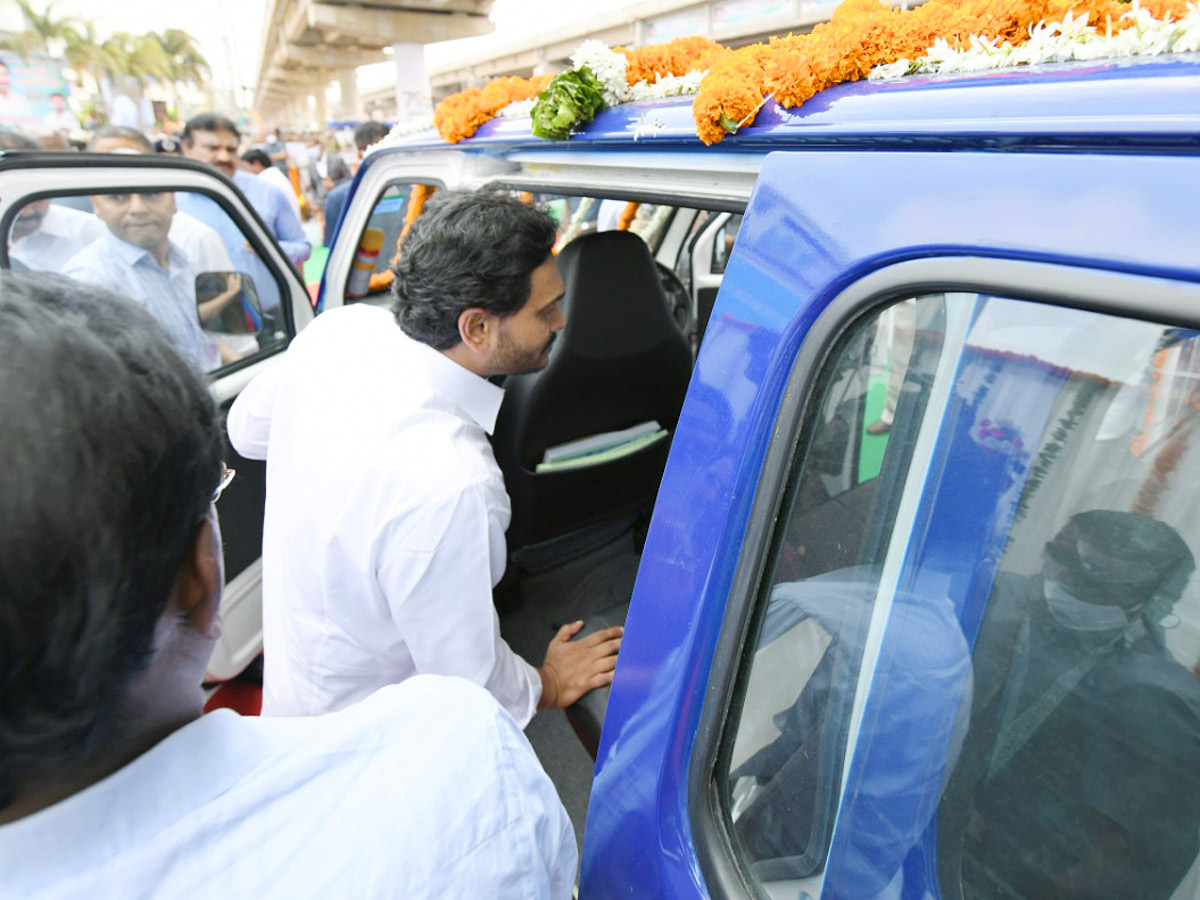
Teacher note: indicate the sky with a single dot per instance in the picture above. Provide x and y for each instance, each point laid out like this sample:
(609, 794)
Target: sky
(229, 32)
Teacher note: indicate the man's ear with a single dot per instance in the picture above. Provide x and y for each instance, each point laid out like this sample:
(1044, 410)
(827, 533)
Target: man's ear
(475, 329)
(201, 580)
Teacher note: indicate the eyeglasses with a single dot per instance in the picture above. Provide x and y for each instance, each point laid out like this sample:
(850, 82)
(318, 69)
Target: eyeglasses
(226, 479)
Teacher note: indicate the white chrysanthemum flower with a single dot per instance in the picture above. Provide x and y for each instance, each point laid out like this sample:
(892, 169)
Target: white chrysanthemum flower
(1070, 39)
(607, 65)
(891, 71)
(668, 86)
(517, 109)
(399, 131)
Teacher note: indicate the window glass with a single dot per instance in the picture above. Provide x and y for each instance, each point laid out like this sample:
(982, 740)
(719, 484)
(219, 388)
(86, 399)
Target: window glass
(378, 244)
(723, 244)
(977, 652)
(178, 254)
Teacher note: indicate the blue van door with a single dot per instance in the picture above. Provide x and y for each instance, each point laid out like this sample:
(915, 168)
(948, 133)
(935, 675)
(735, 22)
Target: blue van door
(916, 615)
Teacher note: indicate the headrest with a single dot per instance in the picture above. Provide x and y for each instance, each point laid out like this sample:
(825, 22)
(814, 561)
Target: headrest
(612, 296)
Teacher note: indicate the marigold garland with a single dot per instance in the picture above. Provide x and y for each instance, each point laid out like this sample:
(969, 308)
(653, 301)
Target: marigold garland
(860, 36)
(628, 214)
(460, 115)
(863, 34)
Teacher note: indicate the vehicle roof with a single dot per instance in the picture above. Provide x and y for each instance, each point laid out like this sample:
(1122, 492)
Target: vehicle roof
(1132, 103)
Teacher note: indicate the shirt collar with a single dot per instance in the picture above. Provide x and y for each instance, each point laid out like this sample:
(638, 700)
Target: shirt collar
(477, 397)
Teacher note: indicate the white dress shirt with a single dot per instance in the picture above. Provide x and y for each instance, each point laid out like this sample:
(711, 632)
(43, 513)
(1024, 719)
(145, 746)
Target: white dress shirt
(169, 294)
(427, 789)
(200, 244)
(62, 233)
(385, 518)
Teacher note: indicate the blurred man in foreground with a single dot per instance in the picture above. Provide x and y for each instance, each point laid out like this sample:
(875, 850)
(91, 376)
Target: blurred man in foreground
(112, 784)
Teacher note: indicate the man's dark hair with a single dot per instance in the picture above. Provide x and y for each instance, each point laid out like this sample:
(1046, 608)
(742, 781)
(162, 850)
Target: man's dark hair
(121, 132)
(14, 140)
(112, 449)
(208, 122)
(369, 133)
(467, 249)
(257, 157)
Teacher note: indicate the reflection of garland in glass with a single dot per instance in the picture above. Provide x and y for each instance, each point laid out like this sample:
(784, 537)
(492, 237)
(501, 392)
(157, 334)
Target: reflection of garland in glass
(416, 203)
(1053, 448)
(1167, 460)
(863, 37)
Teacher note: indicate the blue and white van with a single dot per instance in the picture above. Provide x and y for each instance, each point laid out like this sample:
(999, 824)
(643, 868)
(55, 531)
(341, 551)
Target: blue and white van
(896, 400)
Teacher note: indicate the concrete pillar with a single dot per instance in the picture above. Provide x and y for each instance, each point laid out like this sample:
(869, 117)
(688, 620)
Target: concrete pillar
(350, 107)
(414, 95)
(322, 107)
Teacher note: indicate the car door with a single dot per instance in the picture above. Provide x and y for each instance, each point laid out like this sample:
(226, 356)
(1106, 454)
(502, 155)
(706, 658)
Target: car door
(845, 672)
(91, 217)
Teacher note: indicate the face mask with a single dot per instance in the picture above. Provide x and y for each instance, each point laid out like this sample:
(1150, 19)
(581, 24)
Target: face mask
(1078, 615)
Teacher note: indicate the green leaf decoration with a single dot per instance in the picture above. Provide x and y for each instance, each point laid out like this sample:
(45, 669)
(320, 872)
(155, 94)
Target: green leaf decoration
(567, 104)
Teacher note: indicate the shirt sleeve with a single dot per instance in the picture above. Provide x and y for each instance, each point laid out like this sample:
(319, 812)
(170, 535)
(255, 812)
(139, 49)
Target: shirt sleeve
(437, 573)
(288, 230)
(249, 421)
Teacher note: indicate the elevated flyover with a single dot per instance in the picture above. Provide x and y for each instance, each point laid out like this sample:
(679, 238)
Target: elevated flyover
(308, 44)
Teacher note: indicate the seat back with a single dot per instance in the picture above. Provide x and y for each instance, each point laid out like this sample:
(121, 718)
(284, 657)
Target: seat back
(620, 361)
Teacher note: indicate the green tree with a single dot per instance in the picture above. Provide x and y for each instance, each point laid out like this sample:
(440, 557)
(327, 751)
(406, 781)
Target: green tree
(45, 33)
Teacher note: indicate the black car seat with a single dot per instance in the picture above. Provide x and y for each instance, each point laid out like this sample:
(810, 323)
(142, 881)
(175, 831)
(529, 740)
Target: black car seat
(621, 361)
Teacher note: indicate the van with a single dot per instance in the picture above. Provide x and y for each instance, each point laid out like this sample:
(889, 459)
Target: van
(876, 425)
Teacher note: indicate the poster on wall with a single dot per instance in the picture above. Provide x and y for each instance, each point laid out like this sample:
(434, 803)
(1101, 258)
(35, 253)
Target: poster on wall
(33, 95)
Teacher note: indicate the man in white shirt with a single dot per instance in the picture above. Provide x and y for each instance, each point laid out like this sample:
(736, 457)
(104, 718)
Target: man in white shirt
(135, 257)
(199, 243)
(112, 784)
(386, 511)
(257, 163)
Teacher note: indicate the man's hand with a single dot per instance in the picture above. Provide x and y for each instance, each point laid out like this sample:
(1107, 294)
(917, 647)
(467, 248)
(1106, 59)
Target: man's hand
(572, 668)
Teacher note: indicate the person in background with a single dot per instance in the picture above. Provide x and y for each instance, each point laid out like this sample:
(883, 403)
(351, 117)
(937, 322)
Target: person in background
(135, 257)
(382, 566)
(112, 783)
(200, 243)
(60, 119)
(44, 235)
(214, 139)
(256, 162)
(365, 135)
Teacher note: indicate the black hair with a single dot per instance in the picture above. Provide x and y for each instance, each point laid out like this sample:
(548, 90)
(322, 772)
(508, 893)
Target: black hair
(467, 249)
(257, 156)
(14, 140)
(112, 449)
(369, 133)
(208, 122)
(122, 132)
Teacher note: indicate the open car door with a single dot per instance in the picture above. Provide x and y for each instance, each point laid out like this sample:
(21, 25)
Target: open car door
(228, 297)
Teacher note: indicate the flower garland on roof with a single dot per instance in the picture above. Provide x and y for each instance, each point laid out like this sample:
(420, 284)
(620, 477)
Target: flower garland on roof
(863, 38)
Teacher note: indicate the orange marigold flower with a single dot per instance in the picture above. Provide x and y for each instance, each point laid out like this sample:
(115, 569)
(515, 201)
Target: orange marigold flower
(627, 215)
(677, 57)
(731, 93)
(460, 115)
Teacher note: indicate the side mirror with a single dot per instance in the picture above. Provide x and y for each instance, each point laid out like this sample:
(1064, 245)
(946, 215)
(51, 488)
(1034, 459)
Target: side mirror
(227, 304)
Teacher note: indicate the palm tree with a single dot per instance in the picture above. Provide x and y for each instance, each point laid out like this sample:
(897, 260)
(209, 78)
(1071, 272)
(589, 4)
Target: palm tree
(45, 33)
(190, 66)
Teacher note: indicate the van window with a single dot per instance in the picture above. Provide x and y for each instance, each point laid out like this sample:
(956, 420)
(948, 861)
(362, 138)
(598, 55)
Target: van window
(177, 253)
(977, 640)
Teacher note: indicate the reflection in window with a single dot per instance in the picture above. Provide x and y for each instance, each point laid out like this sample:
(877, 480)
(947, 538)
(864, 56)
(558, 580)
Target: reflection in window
(140, 244)
(998, 615)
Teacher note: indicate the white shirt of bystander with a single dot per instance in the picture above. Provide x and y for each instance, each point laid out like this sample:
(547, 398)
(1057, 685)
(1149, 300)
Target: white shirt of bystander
(426, 789)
